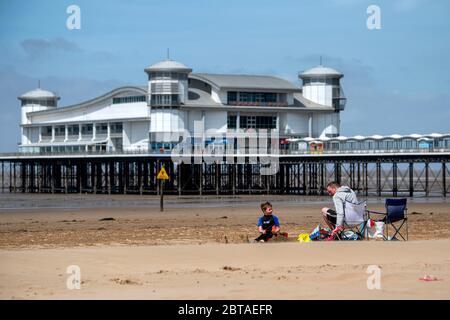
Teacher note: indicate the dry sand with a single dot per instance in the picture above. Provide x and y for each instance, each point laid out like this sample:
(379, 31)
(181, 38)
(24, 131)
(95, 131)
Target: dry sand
(230, 271)
(193, 252)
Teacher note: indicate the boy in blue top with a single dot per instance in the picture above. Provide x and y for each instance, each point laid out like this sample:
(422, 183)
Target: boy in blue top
(268, 224)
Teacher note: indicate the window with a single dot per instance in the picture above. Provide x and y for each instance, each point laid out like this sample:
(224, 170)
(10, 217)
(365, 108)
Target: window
(101, 128)
(164, 87)
(46, 131)
(252, 97)
(389, 144)
(232, 96)
(370, 144)
(336, 92)
(158, 75)
(231, 122)
(116, 127)
(164, 99)
(335, 146)
(258, 122)
(45, 103)
(446, 143)
(73, 130)
(407, 144)
(87, 128)
(60, 131)
(130, 99)
(352, 145)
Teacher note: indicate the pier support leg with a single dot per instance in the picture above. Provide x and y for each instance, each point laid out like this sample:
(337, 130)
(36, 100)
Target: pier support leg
(394, 179)
(444, 182)
(378, 173)
(411, 179)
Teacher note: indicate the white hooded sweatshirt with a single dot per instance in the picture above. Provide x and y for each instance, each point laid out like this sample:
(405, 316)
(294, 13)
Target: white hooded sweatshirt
(342, 194)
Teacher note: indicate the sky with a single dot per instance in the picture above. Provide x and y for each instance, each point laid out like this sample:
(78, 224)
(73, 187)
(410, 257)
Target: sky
(396, 79)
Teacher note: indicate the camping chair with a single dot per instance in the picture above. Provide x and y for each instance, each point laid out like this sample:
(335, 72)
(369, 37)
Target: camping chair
(355, 219)
(396, 216)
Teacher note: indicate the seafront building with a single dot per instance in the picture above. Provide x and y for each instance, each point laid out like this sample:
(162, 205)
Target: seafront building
(152, 118)
(148, 118)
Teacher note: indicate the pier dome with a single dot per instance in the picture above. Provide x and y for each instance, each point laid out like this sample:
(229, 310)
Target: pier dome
(321, 71)
(168, 65)
(39, 94)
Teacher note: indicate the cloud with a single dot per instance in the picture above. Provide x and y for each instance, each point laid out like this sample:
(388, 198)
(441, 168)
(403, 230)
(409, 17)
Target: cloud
(41, 48)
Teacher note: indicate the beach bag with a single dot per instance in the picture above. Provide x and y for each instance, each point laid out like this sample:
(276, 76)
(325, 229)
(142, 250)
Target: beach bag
(376, 229)
(349, 235)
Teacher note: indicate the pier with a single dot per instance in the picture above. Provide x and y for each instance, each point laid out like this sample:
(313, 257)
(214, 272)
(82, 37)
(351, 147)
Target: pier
(377, 174)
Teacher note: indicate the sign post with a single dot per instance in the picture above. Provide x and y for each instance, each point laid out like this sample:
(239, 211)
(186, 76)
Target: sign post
(162, 177)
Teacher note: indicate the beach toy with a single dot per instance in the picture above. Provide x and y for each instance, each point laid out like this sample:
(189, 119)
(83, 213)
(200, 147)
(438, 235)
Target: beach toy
(428, 278)
(315, 234)
(303, 237)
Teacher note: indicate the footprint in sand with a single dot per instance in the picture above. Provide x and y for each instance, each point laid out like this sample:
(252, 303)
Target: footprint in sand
(125, 281)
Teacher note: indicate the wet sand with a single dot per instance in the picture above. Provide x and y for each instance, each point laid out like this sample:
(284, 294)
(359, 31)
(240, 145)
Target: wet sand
(183, 222)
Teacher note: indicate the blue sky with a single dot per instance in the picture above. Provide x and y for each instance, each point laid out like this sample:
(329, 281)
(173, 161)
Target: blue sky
(397, 79)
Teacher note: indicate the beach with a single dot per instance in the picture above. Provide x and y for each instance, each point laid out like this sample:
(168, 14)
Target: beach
(199, 249)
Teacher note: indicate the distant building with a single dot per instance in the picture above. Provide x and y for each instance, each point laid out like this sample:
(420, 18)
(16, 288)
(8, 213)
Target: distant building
(151, 118)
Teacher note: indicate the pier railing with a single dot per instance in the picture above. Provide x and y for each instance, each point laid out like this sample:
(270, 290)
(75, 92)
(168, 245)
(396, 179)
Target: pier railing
(217, 152)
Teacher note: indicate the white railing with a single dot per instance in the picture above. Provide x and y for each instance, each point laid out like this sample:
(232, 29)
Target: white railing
(241, 152)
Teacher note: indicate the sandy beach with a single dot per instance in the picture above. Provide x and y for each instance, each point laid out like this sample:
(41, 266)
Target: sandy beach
(200, 251)
(232, 271)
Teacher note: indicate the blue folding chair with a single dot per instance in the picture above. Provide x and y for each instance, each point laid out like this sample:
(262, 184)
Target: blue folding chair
(396, 216)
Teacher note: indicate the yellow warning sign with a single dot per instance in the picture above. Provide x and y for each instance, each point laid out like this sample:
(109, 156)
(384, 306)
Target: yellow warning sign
(162, 175)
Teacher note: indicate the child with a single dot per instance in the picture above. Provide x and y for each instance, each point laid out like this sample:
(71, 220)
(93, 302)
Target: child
(268, 224)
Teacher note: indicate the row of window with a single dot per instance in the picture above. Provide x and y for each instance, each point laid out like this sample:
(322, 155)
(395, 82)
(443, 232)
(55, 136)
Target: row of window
(404, 144)
(158, 146)
(333, 82)
(67, 149)
(160, 75)
(44, 103)
(252, 122)
(164, 87)
(164, 99)
(86, 129)
(129, 99)
(236, 96)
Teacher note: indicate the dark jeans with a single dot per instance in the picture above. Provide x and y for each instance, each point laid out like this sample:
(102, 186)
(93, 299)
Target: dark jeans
(265, 236)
